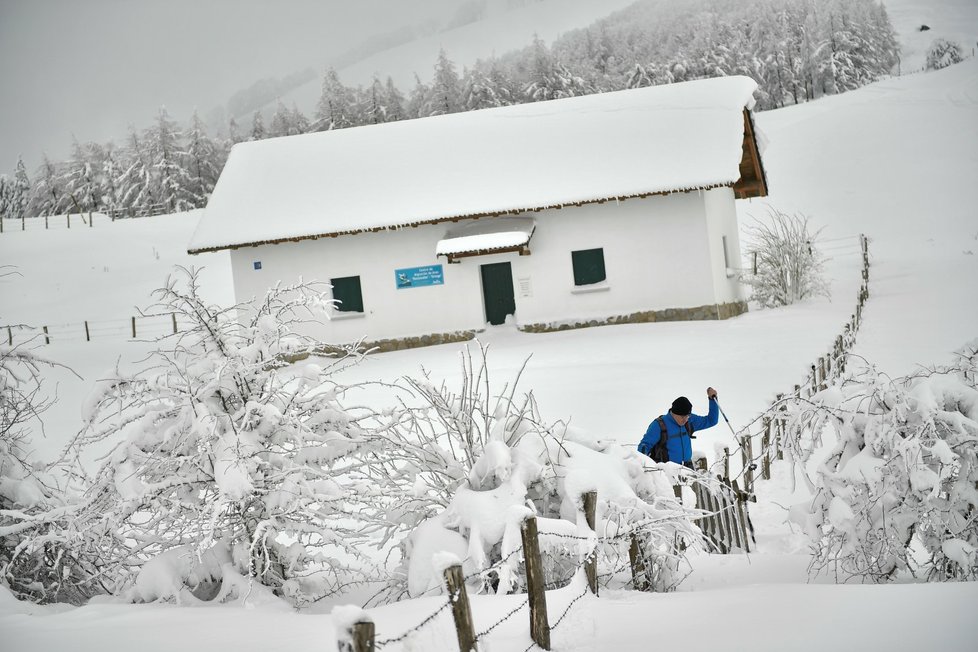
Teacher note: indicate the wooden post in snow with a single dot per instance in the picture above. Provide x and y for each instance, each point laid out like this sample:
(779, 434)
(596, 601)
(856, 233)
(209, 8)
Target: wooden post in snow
(461, 610)
(536, 593)
(590, 501)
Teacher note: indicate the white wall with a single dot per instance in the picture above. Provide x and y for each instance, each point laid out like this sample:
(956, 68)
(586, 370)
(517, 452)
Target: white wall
(722, 222)
(658, 254)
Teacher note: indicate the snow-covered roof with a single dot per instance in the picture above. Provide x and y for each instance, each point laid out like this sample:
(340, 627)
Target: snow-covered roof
(486, 236)
(577, 150)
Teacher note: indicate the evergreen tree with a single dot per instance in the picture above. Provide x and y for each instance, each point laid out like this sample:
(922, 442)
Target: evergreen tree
(20, 192)
(111, 172)
(300, 123)
(281, 122)
(135, 185)
(444, 95)
(335, 107)
(47, 194)
(6, 192)
(204, 161)
(486, 86)
(393, 102)
(80, 179)
(171, 179)
(257, 127)
(234, 134)
(417, 100)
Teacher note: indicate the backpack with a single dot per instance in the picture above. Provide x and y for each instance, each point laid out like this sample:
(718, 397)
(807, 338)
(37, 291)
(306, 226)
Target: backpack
(660, 451)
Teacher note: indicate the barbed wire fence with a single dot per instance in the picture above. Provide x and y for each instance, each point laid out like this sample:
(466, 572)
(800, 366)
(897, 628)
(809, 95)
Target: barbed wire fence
(144, 326)
(584, 549)
(80, 220)
(767, 432)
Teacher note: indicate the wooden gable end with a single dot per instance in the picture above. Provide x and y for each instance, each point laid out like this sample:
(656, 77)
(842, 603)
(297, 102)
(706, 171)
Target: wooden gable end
(753, 181)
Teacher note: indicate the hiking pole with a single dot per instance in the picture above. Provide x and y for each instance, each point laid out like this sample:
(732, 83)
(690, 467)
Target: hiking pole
(753, 465)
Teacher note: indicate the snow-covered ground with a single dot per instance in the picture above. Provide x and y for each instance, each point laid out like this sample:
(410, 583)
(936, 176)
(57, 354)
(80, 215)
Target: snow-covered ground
(895, 160)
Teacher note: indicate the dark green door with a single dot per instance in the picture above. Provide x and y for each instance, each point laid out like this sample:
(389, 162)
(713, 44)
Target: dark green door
(497, 290)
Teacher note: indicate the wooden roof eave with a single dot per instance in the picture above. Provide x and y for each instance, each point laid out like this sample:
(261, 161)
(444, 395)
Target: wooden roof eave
(453, 218)
(753, 179)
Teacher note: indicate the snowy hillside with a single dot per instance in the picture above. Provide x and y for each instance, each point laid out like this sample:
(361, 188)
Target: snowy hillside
(500, 32)
(894, 160)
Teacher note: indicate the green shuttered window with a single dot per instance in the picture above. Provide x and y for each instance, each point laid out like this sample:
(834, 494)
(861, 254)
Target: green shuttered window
(346, 292)
(588, 266)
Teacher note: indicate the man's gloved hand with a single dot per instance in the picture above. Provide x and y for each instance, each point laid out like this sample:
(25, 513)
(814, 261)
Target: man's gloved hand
(711, 393)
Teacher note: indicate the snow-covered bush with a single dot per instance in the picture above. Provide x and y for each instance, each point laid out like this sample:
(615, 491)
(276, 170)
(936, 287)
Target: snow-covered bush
(476, 462)
(898, 493)
(227, 446)
(789, 265)
(943, 53)
(43, 556)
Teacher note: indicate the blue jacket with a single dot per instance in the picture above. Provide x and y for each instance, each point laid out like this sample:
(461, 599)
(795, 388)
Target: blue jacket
(679, 445)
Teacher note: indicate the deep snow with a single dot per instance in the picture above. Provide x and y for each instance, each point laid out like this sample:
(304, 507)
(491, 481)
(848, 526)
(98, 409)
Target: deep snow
(894, 160)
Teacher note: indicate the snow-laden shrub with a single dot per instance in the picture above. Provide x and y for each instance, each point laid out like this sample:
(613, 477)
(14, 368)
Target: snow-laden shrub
(943, 53)
(44, 556)
(898, 493)
(475, 462)
(789, 264)
(225, 437)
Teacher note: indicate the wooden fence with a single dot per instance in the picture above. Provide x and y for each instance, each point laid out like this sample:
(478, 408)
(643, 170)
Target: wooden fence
(760, 441)
(360, 636)
(144, 326)
(79, 220)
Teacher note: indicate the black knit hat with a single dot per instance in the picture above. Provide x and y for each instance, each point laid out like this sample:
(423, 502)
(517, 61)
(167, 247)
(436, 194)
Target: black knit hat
(681, 406)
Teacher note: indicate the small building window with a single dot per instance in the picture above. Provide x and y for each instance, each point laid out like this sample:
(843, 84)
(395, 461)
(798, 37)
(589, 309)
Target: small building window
(346, 293)
(588, 266)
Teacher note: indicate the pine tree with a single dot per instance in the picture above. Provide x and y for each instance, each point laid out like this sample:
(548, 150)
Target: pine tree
(486, 86)
(47, 194)
(234, 134)
(335, 107)
(111, 172)
(171, 179)
(393, 102)
(135, 184)
(20, 192)
(257, 127)
(300, 123)
(80, 179)
(417, 100)
(444, 95)
(6, 192)
(204, 161)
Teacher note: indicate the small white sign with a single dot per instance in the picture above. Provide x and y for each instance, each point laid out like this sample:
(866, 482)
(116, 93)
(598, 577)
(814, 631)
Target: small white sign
(526, 290)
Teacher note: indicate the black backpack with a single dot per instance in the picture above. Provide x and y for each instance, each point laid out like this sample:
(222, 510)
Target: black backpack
(660, 451)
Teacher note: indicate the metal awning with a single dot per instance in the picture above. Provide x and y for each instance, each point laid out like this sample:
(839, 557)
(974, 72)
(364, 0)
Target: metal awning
(487, 236)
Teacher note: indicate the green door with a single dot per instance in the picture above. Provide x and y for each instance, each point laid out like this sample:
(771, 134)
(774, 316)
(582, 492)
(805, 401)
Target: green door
(497, 290)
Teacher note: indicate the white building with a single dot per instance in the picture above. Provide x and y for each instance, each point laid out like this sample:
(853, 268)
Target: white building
(589, 210)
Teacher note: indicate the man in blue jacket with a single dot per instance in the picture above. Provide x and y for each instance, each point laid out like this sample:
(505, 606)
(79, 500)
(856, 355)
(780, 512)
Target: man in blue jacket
(669, 435)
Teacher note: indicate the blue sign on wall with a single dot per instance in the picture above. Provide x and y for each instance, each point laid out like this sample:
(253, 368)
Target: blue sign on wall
(416, 277)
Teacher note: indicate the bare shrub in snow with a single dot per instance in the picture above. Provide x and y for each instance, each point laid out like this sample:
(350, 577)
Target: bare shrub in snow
(789, 265)
(475, 462)
(898, 493)
(943, 53)
(42, 556)
(227, 448)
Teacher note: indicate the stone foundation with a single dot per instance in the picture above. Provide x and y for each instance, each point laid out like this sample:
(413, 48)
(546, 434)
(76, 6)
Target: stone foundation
(398, 344)
(711, 311)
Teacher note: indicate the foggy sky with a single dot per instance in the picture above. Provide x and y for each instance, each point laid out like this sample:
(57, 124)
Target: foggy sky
(91, 67)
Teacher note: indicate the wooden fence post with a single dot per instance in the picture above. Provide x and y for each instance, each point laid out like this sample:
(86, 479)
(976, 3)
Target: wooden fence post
(88, 337)
(10, 336)
(640, 573)
(814, 380)
(766, 447)
(45, 222)
(90, 220)
(537, 596)
(726, 462)
(173, 316)
(590, 501)
(47, 339)
(69, 220)
(133, 328)
(360, 638)
(748, 459)
(460, 608)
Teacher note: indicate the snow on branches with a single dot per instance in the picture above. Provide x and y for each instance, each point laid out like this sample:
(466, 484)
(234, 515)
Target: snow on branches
(233, 444)
(898, 492)
(475, 462)
(789, 265)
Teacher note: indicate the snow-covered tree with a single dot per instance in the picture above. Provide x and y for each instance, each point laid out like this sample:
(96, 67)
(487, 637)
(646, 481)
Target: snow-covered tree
(485, 86)
(171, 180)
(80, 178)
(897, 495)
(943, 53)
(110, 192)
(444, 95)
(231, 445)
(258, 127)
(335, 109)
(789, 264)
(47, 193)
(203, 161)
(136, 185)
(20, 191)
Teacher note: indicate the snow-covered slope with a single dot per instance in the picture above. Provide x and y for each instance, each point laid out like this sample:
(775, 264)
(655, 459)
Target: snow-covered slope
(955, 20)
(496, 34)
(895, 160)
